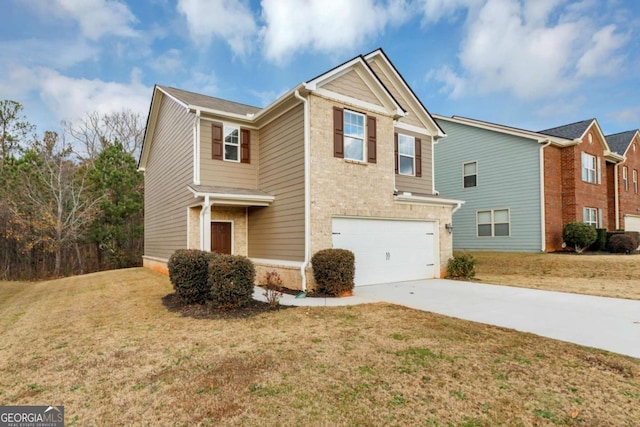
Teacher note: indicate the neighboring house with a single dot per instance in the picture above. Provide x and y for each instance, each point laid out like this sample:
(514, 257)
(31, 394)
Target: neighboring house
(343, 160)
(625, 182)
(522, 187)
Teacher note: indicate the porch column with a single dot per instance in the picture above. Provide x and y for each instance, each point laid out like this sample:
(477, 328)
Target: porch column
(205, 225)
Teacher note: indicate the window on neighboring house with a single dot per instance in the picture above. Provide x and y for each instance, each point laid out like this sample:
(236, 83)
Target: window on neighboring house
(470, 174)
(406, 154)
(625, 178)
(590, 168)
(635, 181)
(493, 223)
(353, 136)
(590, 216)
(232, 143)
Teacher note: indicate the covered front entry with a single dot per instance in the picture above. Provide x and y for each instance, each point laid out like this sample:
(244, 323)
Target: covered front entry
(388, 250)
(221, 240)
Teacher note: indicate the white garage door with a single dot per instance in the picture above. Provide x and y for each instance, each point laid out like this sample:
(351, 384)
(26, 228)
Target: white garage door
(386, 250)
(631, 223)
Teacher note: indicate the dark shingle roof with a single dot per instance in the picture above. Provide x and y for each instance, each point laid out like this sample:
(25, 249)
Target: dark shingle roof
(570, 131)
(619, 142)
(204, 101)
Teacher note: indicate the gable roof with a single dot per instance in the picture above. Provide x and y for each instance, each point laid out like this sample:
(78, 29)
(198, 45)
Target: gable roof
(619, 142)
(571, 131)
(210, 102)
(379, 53)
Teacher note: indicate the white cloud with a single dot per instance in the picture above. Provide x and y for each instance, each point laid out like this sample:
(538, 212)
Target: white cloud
(204, 83)
(324, 26)
(628, 115)
(71, 98)
(600, 59)
(227, 19)
(518, 47)
(434, 10)
(452, 83)
(96, 18)
(167, 62)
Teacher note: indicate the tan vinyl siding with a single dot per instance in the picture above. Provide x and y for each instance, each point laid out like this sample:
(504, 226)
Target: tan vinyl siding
(277, 231)
(412, 117)
(222, 173)
(352, 85)
(169, 170)
(413, 184)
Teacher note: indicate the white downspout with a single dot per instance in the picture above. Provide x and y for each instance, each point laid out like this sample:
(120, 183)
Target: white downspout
(196, 148)
(456, 209)
(543, 213)
(616, 199)
(307, 195)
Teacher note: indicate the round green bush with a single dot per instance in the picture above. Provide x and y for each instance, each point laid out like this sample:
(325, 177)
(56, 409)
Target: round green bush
(461, 266)
(334, 271)
(231, 280)
(188, 273)
(579, 235)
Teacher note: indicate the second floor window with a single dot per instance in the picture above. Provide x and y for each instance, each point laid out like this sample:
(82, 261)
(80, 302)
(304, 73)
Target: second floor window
(406, 154)
(353, 136)
(625, 178)
(590, 172)
(635, 181)
(231, 144)
(470, 174)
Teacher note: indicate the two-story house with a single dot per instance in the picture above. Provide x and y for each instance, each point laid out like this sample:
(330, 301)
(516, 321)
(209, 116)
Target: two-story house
(342, 160)
(625, 208)
(522, 187)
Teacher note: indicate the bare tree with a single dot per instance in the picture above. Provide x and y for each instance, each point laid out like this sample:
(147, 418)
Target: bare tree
(96, 131)
(56, 205)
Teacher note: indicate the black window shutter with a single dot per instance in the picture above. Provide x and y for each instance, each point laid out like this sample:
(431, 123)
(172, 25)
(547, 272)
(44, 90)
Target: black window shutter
(216, 141)
(418, 157)
(371, 139)
(338, 132)
(245, 146)
(395, 149)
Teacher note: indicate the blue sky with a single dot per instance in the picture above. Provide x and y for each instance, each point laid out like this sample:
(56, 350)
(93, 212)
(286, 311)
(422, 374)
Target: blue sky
(526, 63)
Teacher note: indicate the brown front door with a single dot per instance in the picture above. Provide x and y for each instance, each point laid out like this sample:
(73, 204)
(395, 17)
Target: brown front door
(221, 237)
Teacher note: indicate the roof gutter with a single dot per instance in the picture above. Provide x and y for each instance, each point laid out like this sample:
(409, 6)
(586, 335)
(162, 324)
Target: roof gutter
(307, 196)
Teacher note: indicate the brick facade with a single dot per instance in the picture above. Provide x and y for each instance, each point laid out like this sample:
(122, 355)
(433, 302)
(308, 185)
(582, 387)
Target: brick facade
(629, 200)
(566, 193)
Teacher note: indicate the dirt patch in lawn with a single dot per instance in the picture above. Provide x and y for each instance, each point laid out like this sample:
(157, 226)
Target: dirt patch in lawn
(616, 276)
(108, 347)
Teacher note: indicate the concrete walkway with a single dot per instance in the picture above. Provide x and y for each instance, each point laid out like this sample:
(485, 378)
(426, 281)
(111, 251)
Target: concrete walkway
(607, 323)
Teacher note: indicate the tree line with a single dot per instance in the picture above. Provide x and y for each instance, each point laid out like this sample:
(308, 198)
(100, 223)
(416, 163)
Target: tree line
(70, 202)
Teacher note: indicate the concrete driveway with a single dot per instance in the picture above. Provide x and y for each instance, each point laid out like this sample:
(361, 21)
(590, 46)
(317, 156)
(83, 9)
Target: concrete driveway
(607, 323)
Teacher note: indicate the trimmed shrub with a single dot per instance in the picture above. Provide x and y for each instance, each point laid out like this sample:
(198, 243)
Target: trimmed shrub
(579, 235)
(610, 234)
(231, 280)
(334, 270)
(623, 243)
(188, 272)
(461, 266)
(635, 235)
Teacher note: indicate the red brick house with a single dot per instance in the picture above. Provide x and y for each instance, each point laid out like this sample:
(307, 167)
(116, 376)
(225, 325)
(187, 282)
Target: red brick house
(624, 210)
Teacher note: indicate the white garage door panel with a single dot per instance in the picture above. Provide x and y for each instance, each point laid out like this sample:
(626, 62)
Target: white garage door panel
(385, 250)
(632, 223)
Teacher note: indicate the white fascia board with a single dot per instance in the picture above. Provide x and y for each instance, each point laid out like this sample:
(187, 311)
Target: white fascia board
(330, 75)
(412, 128)
(352, 101)
(426, 200)
(614, 156)
(172, 97)
(240, 117)
(234, 199)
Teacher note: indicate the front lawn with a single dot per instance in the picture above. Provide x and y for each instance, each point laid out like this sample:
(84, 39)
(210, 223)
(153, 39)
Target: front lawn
(107, 347)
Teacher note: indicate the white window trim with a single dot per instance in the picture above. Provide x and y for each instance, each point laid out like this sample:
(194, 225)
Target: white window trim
(364, 135)
(413, 158)
(625, 178)
(463, 175)
(493, 222)
(225, 143)
(233, 239)
(589, 170)
(635, 181)
(588, 221)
